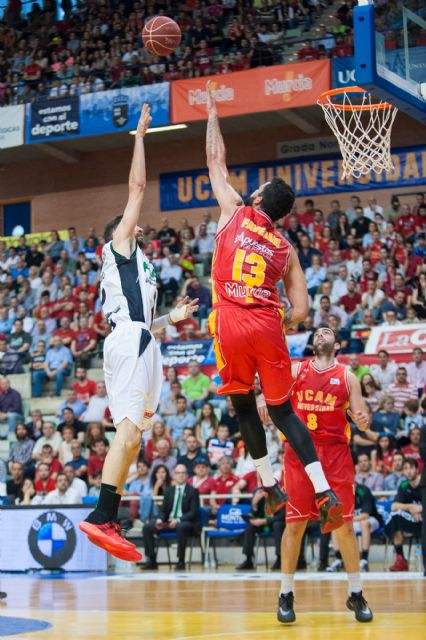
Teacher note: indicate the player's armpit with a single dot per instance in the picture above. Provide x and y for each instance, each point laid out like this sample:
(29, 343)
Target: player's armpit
(296, 291)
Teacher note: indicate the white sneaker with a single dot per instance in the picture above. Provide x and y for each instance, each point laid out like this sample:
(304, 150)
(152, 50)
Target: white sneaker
(363, 565)
(335, 566)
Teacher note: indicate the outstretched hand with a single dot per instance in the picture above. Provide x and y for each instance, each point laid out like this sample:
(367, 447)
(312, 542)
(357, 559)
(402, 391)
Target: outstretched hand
(144, 120)
(191, 306)
(360, 418)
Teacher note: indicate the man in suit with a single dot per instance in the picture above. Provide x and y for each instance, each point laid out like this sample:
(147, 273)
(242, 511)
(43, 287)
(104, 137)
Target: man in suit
(180, 513)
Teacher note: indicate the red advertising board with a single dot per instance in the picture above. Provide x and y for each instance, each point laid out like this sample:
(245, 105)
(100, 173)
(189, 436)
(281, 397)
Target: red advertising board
(398, 339)
(263, 89)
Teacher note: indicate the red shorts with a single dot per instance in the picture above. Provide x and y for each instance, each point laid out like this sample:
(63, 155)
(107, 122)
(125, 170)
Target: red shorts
(338, 467)
(250, 341)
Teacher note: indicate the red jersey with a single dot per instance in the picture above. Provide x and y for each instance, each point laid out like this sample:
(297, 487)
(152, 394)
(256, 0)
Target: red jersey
(85, 390)
(320, 399)
(251, 256)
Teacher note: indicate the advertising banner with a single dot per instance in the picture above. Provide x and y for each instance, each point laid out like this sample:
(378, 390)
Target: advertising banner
(178, 354)
(53, 119)
(262, 89)
(344, 72)
(94, 114)
(398, 339)
(12, 126)
(47, 538)
(119, 109)
(190, 189)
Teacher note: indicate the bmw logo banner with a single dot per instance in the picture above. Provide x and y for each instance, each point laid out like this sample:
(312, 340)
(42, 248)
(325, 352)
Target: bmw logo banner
(49, 538)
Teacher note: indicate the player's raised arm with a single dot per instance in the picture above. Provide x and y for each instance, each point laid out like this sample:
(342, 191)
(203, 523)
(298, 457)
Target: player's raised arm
(358, 411)
(123, 239)
(296, 291)
(224, 192)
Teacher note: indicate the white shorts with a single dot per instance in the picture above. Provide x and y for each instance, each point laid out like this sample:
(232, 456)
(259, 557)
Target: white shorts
(133, 381)
(374, 525)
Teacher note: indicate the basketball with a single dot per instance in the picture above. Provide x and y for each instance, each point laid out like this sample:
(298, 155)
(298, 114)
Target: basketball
(161, 35)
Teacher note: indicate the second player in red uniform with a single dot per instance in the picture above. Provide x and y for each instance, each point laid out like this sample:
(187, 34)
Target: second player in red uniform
(324, 393)
(248, 323)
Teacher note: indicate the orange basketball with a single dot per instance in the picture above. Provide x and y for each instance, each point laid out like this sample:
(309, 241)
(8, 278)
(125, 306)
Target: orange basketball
(161, 35)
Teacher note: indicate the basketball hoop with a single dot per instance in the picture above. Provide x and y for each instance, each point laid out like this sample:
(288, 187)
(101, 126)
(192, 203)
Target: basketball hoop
(362, 128)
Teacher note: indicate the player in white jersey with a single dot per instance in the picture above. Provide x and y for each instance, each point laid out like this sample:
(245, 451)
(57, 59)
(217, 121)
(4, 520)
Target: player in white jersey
(132, 358)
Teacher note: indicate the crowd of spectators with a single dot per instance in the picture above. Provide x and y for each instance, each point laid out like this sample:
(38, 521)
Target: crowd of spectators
(98, 46)
(364, 267)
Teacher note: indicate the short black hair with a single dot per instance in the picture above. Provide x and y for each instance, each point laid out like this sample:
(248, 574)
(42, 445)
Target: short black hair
(277, 199)
(111, 227)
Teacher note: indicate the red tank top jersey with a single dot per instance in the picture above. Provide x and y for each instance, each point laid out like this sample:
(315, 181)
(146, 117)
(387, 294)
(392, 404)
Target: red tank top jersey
(250, 257)
(320, 399)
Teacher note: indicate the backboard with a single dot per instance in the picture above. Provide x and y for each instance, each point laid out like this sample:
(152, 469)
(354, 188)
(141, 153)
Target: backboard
(390, 52)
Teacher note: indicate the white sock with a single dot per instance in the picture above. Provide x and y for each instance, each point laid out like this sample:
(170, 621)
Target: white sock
(354, 583)
(317, 477)
(264, 469)
(287, 583)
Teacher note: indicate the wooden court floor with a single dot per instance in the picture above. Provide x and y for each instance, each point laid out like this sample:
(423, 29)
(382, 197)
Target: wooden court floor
(187, 606)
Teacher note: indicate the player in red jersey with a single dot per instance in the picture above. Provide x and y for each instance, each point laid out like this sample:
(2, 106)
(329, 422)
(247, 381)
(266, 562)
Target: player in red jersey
(324, 392)
(248, 323)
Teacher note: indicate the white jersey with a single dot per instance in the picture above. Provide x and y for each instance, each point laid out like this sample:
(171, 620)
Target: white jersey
(128, 287)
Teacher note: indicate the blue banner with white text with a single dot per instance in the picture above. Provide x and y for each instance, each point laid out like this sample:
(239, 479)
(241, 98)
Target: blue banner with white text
(308, 177)
(343, 72)
(98, 113)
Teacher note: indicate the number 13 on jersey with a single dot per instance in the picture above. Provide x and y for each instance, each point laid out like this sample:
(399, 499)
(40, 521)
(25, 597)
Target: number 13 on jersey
(256, 277)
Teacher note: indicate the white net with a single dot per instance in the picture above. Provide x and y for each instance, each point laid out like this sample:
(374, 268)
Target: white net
(363, 130)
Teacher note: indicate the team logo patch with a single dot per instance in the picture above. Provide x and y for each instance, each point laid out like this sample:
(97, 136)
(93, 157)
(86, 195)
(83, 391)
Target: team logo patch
(52, 539)
(334, 381)
(120, 110)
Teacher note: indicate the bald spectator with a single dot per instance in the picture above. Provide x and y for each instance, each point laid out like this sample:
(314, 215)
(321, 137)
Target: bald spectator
(97, 405)
(401, 390)
(50, 436)
(73, 403)
(164, 457)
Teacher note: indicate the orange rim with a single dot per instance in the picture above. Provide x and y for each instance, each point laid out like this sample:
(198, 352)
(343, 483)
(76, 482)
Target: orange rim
(324, 100)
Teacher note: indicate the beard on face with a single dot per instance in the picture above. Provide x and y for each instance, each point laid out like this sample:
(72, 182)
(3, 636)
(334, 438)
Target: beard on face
(249, 201)
(324, 349)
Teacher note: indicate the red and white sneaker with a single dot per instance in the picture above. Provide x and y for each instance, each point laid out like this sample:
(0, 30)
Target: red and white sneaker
(400, 564)
(130, 555)
(107, 535)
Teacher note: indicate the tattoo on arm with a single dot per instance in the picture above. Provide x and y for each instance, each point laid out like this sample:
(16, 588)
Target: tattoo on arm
(213, 132)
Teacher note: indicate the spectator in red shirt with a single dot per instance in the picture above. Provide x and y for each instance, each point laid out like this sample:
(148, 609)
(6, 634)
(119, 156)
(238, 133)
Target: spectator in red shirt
(406, 223)
(224, 481)
(308, 52)
(65, 332)
(100, 325)
(241, 63)
(84, 387)
(342, 48)
(45, 304)
(248, 483)
(32, 73)
(47, 456)
(96, 462)
(307, 218)
(412, 450)
(65, 306)
(45, 482)
(85, 286)
(203, 58)
(351, 302)
(202, 480)
(84, 343)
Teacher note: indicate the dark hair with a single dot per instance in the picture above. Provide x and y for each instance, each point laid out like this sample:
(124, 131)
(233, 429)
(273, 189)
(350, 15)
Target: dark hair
(412, 462)
(144, 461)
(168, 481)
(111, 227)
(277, 199)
